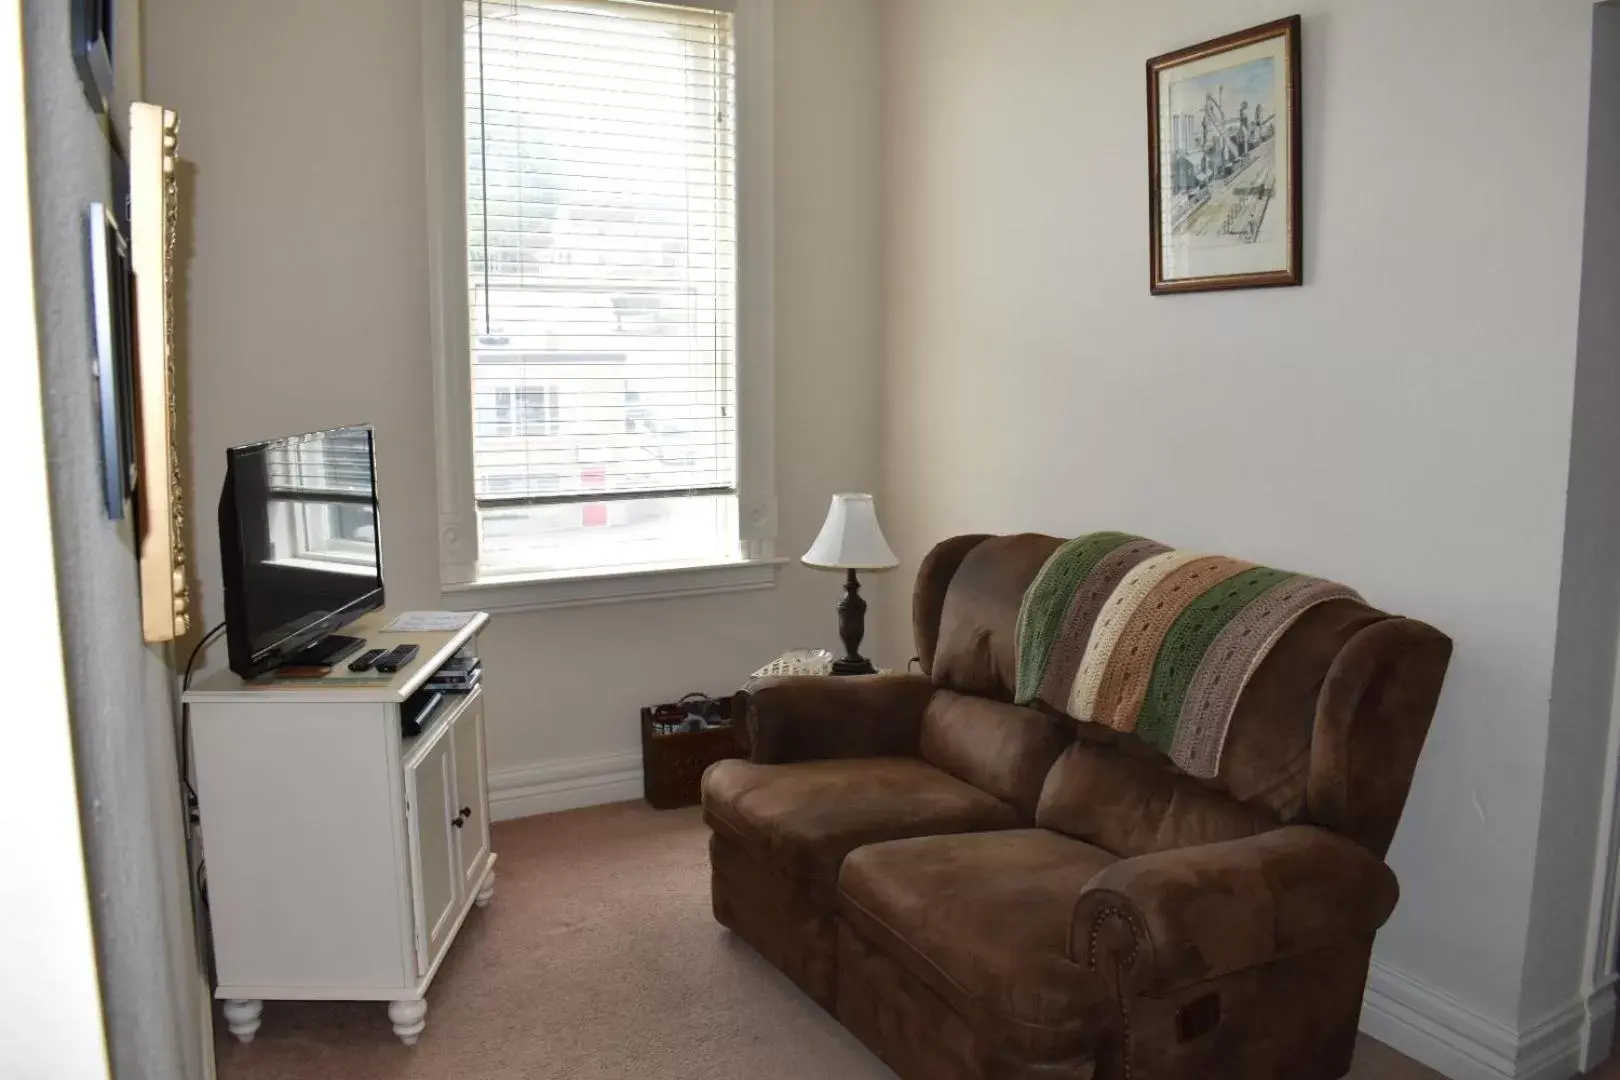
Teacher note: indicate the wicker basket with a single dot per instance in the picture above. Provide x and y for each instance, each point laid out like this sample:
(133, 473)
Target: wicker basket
(672, 765)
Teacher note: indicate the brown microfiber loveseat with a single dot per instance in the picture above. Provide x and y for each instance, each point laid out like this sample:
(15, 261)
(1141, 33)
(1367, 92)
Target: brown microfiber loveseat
(981, 890)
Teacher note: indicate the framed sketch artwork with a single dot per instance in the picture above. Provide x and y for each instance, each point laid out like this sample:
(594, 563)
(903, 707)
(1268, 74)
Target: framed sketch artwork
(1224, 162)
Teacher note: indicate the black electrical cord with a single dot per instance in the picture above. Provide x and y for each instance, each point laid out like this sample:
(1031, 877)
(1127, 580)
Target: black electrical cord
(185, 720)
(190, 796)
(196, 650)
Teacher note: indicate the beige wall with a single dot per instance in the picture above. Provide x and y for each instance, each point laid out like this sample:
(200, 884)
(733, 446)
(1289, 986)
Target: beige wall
(307, 306)
(1401, 423)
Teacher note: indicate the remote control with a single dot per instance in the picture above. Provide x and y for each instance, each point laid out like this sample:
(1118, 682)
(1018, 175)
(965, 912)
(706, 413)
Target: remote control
(395, 658)
(364, 661)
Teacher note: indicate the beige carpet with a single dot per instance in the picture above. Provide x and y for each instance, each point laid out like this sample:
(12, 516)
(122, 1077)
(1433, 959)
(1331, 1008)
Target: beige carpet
(598, 960)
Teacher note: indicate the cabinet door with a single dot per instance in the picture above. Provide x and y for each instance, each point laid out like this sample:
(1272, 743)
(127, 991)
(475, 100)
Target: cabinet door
(472, 796)
(435, 873)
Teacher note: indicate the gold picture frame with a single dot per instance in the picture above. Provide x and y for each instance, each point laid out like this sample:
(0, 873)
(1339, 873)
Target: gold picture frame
(153, 210)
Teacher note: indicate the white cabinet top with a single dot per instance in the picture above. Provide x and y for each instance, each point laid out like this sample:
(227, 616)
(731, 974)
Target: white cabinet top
(342, 686)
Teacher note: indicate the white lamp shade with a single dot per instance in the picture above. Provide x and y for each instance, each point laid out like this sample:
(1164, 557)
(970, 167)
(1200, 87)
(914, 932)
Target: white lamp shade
(851, 539)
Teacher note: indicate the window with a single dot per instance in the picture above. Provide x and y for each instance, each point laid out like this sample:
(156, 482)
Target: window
(601, 237)
(539, 412)
(600, 180)
(321, 503)
(501, 421)
(508, 408)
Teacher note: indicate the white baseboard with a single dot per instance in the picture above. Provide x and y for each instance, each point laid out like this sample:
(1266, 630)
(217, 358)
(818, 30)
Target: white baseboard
(1430, 1026)
(1597, 1041)
(1551, 1048)
(564, 785)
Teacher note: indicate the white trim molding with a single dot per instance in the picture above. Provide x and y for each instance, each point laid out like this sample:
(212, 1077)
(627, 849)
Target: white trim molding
(564, 785)
(1430, 1026)
(445, 141)
(450, 331)
(756, 277)
(1599, 976)
(615, 587)
(1597, 1034)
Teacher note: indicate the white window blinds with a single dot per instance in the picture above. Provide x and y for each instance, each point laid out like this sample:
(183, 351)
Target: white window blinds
(602, 246)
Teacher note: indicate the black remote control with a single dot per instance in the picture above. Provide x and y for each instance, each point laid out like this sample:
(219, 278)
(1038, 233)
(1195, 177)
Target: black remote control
(395, 658)
(364, 661)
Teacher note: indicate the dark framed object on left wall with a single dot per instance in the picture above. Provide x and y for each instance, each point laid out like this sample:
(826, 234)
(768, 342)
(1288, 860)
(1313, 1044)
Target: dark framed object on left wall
(93, 50)
(112, 314)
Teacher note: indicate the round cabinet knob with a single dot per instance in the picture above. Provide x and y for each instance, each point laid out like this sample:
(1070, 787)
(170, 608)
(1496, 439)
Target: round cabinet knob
(457, 822)
(466, 812)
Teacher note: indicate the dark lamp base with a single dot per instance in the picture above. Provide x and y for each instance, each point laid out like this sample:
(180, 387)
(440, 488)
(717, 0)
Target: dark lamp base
(851, 628)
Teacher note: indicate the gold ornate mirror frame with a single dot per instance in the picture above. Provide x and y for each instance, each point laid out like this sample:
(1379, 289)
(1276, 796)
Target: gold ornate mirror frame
(154, 207)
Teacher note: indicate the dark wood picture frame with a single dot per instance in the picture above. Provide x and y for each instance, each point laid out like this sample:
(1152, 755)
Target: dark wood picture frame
(93, 51)
(1238, 156)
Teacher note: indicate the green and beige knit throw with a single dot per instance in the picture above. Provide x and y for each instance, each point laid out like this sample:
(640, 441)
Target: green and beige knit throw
(1126, 632)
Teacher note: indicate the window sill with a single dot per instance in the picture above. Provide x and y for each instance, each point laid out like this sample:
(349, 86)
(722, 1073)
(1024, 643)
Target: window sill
(546, 592)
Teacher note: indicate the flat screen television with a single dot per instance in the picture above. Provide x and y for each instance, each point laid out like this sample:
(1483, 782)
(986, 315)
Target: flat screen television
(300, 546)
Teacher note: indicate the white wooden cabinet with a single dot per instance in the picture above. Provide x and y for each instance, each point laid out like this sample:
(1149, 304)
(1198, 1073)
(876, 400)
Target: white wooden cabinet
(342, 857)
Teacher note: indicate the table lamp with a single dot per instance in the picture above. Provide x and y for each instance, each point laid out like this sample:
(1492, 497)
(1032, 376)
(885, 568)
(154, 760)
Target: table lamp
(851, 540)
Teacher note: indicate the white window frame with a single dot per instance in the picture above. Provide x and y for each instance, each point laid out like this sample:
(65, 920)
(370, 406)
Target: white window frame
(312, 544)
(461, 582)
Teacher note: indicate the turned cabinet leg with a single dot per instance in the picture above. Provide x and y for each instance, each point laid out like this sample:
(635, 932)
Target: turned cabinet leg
(409, 1018)
(486, 891)
(244, 1015)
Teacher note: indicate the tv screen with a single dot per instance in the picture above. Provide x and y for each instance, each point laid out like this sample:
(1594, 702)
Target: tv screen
(299, 543)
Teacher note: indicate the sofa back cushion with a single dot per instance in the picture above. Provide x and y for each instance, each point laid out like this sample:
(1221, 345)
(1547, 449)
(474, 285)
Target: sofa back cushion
(1293, 753)
(1112, 790)
(1268, 746)
(934, 578)
(1127, 799)
(1004, 750)
(977, 636)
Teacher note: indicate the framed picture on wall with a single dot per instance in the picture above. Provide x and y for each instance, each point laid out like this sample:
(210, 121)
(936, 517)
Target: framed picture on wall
(93, 50)
(1224, 191)
(112, 313)
(154, 134)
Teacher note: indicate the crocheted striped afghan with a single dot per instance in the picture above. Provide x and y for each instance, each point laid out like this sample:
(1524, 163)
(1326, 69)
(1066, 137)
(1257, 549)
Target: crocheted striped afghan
(1126, 632)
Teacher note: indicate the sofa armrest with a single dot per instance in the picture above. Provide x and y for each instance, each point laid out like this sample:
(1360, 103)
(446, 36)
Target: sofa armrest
(1372, 717)
(1175, 918)
(813, 717)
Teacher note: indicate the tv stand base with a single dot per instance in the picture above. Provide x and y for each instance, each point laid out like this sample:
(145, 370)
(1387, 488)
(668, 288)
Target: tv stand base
(324, 653)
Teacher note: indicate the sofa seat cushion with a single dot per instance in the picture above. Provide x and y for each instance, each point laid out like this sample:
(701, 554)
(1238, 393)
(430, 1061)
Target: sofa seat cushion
(983, 919)
(805, 817)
